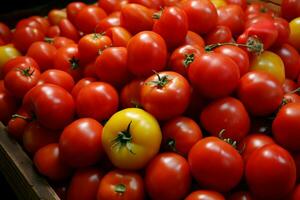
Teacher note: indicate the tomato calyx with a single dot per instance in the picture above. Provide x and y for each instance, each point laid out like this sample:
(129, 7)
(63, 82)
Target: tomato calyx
(49, 40)
(120, 189)
(189, 58)
(158, 14)
(161, 82)
(123, 139)
(27, 72)
(74, 63)
(28, 119)
(171, 144)
(97, 36)
(230, 141)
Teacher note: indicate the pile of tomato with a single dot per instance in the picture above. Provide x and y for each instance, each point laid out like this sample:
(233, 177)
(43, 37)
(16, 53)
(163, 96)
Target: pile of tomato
(158, 99)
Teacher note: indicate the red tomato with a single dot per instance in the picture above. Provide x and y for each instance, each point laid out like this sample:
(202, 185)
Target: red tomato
(119, 36)
(62, 42)
(205, 195)
(90, 70)
(98, 100)
(47, 161)
(57, 77)
(56, 15)
(154, 4)
(80, 84)
(136, 18)
(147, 52)
(180, 134)
(36, 136)
(214, 75)
(290, 9)
(227, 114)
(240, 196)
(80, 143)
(112, 20)
(202, 15)
(29, 22)
(111, 5)
(297, 162)
(87, 18)
(270, 172)
(18, 123)
(196, 105)
(194, 39)
(73, 9)
(220, 34)
(290, 98)
(260, 93)
(44, 22)
(68, 30)
(289, 86)
(8, 105)
(171, 171)
(5, 33)
(211, 168)
(283, 29)
(53, 31)
(84, 184)
(172, 24)
(130, 94)
(296, 193)
(111, 66)
(242, 3)
(258, 8)
(119, 184)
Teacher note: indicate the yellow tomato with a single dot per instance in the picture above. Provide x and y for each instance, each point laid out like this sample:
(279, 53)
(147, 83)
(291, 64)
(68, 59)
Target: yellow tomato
(219, 3)
(269, 62)
(7, 52)
(130, 138)
(295, 33)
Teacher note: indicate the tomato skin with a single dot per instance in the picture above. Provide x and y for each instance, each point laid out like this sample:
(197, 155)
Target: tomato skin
(283, 29)
(290, 9)
(270, 184)
(112, 20)
(84, 184)
(202, 15)
(294, 34)
(8, 105)
(80, 84)
(130, 94)
(29, 22)
(260, 93)
(241, 195)
(291, 98)
(111, 5)
(214, 75)
(153, 4)
(211, 169)
(56, 15)
(62, 42)
(219, 34)
(119, 36)
(172, 171)
(205, 195)
(7, 52)
(80, 143)
(147, 52)
(296, 193)
(194, 39)
(180, 134)
(68, 30)
(156, 98)
(242, 3)
(172, 25)
(73, 9)
(229, 114)
(5, 33)
(296, 158)
(17, 125)
(47, 161)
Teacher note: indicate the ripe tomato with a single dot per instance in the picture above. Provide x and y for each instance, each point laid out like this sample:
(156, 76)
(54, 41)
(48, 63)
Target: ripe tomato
(286, 128)
(80, 143)
(214, 75)
(57, 77)
(270, 172)
(18, 123)
(111, 5)
(242, 3)
(296, 193)
(84, 184)
(61, 42)
(294, 38)
(180, 134)
(220, 34)
(260, 93)
(290, 98)
(205, 195)
(5, 33)
(68, 30)
(119, 184)
(29, 22)
(80, 84)
(43, 53)
(171, 171)
(172, 24)
(56, 15)
(211, 168)
(228, 114)
(130, 94)
(283, 30)
(112, 20)
(153, 4)
(162, 88)
(194, 39)
(119, 36)
(47, 161)
(7, 52)
(147, 52)
(290, 9)
(297, 162)
(8, 105)
(125, 138)
(241, 195)
(73, 9)
(98, 100)
(289, 86)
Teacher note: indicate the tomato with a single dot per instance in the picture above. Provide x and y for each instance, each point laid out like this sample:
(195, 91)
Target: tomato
(84, 184)
(125, 138)
(258, 9)
(238, 55)
(5, 33)
(171, 171)
(91, 45)
(211, 168)
(241, 195)
(43, 53)
(119, 36)
(18, 61)
(52, 105)
(147, 52)
(29, 22)
(112, 20)
(73, 9)
(286, 128)
(283, 29)
(296, 193)
(154, 4)
(294, 38)
(90, 70)
(56, 15)
(220, 34)
(18, 123)
(48, 163)
(87, 18)
(202, 15)
(111, 66)
(172, 25)
(61, 42)
(196, 105)
(297, 162)
(233, 17)
(111, 5)
(242, 3)
(7, 52)
(290, 9)
(68, 30)
(120, 184)
(130, 94)
(214, 75)
(290, 98)
(291, 60)
(36, 136)
(181, 58)
(260, 93)
(162, 88)
(253, 142)
(205, 195)
(80, 143)
(80, 84)
(194, 39)
(43, 21)
(19, 80)
(228, 114)
(180, 134)
(8, 105)
(57, 77)
(270, 172)
(52, 32)
(136, 18)
(219, 3)
(271, 63)
(98, 100)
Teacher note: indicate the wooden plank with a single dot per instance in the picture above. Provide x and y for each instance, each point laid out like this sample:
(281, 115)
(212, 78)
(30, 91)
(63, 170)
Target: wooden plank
(19, 171)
